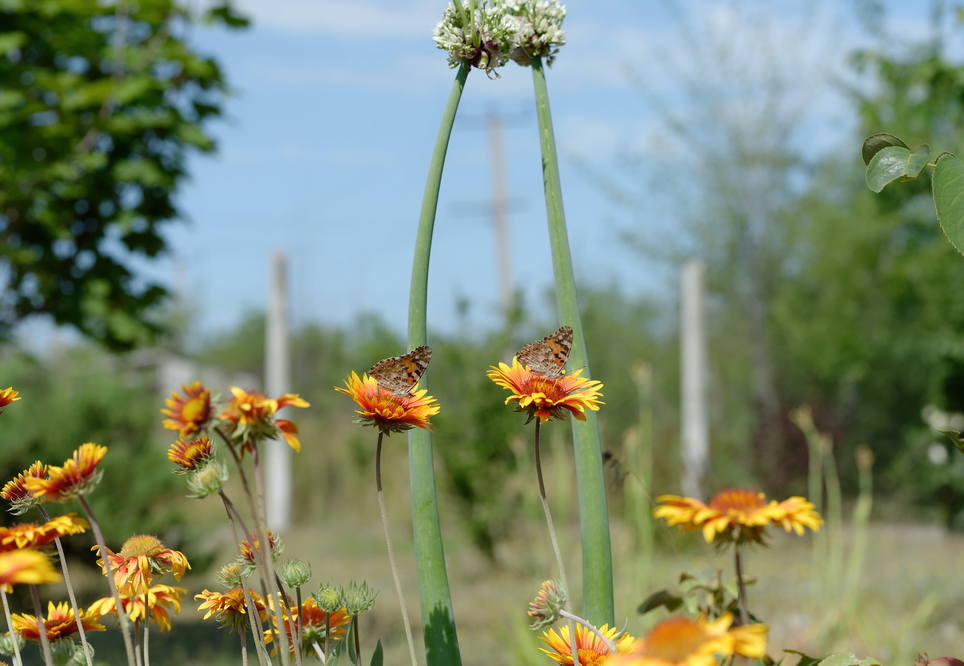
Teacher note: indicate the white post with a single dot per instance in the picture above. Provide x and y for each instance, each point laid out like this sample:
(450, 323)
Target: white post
(277, 374)
(695, 436)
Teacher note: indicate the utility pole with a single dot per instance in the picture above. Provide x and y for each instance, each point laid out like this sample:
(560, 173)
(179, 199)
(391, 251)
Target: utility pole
(277, 374)
(695, 430)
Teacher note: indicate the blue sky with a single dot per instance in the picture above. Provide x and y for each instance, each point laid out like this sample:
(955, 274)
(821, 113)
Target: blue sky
(324, 151)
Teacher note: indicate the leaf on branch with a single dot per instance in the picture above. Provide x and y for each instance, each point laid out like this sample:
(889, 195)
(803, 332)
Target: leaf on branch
(948, 189)
(874, 143)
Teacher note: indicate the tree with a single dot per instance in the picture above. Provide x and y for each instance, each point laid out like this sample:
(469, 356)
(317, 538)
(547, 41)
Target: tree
(100, 105)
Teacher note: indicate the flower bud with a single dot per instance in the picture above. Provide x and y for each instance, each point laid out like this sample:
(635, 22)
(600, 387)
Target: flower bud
(207, 480)
(544, 609)
(230, 575)
(358, 598)
(8, 641)
(329, 598)
(295, 573)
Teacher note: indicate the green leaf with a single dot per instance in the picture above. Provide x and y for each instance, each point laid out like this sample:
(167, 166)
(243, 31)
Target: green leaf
(10, 41)
(874, 143)
(662, 599)
(848, 660)
(955, 438)
(888, 165)
(918, 160)
(805, 660)
(948, 187)
(377, 656)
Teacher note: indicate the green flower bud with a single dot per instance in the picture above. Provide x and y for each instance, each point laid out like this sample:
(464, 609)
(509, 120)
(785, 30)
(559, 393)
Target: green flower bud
(295, 573)
(358, 598)
(544, 609)
(230, 575)
(329, 598)
(7, 643)
(207, 480)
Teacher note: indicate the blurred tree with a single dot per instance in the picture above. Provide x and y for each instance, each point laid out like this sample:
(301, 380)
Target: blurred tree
(100, 105)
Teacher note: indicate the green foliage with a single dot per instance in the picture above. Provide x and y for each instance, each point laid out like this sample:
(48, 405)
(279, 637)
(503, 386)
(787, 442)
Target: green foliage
(834, 660)
(100, 105)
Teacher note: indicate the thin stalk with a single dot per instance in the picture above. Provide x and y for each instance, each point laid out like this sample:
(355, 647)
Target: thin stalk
(860, 520)
(122, 618)
(589, 625)
(291, 620)
(299, 625)
(147, 631)
(244, 646)
(319, 652)
(70, 589)
(354, 622)
(639, 457)
(441, 641)
(14, 636)
(41, 626)
(391, 551)
(573, 648)
(835, 554)
(741, 586)
(597, 564)
(327, 631)
(137, 641)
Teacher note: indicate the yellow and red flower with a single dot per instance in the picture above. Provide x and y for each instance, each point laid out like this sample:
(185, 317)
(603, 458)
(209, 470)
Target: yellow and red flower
(140, 558)
(387, 411)
(547, 397)
(737, 515)
(251, 415)
(32, 535)
(25, 566)
(7, 396)
(77, 476)
(229, 607)
(545, 606)
(59, 623)
(162, 602)
(15, 491)
(188, 414)
(312, 622)
(679, 641)
(248, 553)
(592, 650)
(190, 455)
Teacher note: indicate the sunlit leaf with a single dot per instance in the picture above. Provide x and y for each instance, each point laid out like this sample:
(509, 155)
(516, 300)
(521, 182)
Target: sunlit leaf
(948, 186)
(888, 165)
(874, 143)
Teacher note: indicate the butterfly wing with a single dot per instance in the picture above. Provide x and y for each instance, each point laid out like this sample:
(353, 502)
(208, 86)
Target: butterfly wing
(548, 356)
(400, 374)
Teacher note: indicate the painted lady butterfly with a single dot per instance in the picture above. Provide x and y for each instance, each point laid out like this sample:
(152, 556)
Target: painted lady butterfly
(400, 374)
(548, 356)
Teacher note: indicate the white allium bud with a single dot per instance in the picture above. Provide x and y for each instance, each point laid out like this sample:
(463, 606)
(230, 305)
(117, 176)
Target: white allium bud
(537, 28)
(475, 32)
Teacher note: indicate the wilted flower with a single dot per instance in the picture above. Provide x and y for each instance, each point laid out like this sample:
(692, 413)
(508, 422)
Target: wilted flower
(679, 641)
(229, 607)
(77, 476)
(544, 608)
(275, 545)
(32, 535)
(387, 411)
(15, 491)
(189, 414)
(251, 416)
(591, 648)
(162, 601)
(536, 27)
(737, 515)
(313, 622)
(545, 397)
(140, 558)
(59, 623)
(190, 455)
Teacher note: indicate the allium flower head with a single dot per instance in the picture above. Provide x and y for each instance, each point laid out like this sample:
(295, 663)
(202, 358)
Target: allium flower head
(679, 641)
(77, 476)
(475, 32)
(189, 413)
(7, 396)
(536, 26)
(190, 455)
(26, 566)
(387, 411)
(592, 650)
(33, 535)
(544, 608)
(251, 416)
(737, 515)
(162, 602)
(59, 623)
(545, 397)
(15, 491)
(141, 558)
(229, 608)
(313, 622)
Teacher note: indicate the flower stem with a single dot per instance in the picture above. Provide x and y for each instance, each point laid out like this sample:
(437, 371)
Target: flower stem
(391, 551)
(320, 653)
(441, 641)
(354, 622)
(147, 630)
(244, 647)
(597, 566)
(122, 618)
(70, 590)
(14, 637)
(41, 626)
(299, 625)
(741, 586)
(553, 539)
(589, 625)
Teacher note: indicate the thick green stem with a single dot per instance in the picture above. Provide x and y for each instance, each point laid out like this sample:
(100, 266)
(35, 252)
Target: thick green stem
(441, 642)
(597, 565)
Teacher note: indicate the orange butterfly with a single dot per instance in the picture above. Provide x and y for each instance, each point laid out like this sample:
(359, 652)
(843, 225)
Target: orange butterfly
(400, 374)
(548, 356)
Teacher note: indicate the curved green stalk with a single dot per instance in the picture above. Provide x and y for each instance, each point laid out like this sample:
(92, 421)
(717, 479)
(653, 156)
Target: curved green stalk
(441, 642)
(597, 565)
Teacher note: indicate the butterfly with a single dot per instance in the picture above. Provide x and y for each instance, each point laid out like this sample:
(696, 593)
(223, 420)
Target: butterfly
(400, 374)
(548, 356)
